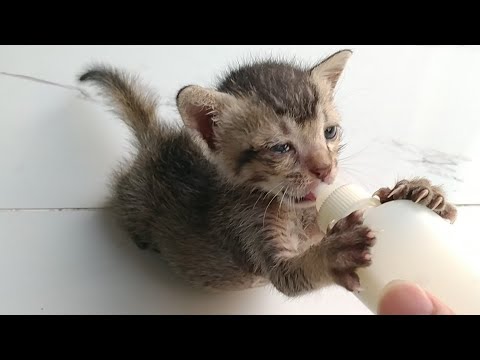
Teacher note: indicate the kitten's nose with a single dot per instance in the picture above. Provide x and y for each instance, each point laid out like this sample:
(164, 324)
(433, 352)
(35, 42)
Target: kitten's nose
(321, 172)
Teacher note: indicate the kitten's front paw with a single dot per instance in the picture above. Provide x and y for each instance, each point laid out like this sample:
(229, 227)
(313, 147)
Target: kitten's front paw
(348, 246)
(420, 191)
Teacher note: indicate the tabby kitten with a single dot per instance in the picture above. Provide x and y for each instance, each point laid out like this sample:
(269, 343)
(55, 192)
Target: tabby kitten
(228, 200)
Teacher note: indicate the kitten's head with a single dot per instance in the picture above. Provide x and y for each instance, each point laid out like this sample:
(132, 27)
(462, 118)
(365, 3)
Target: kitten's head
(271, 125)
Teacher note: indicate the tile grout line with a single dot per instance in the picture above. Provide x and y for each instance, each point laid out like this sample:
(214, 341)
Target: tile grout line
(82, 92)
(52, 209)
(104, 208)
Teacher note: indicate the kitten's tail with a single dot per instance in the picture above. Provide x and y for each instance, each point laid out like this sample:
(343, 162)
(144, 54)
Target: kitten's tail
(133, 103)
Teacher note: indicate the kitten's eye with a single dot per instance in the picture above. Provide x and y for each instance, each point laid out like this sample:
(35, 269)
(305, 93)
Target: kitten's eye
(330, 132)
(281, 148)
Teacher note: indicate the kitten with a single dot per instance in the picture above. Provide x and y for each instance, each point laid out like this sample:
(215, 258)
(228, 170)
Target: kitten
(228, 200)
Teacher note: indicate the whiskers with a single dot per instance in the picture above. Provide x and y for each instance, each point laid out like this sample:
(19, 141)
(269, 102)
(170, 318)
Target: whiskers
(281, 201)
(356, 171)
(273, 198)
(292, 205)
(287, 195)
(265, 195)
(341, 149)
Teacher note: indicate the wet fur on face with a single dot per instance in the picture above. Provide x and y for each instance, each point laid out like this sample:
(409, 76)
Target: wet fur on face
(260, 107)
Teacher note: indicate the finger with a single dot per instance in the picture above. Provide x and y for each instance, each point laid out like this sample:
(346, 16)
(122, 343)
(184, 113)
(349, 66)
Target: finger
(403, 298)
(439, 308)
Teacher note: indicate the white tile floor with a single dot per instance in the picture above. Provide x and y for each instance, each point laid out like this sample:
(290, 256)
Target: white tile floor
(407, 111)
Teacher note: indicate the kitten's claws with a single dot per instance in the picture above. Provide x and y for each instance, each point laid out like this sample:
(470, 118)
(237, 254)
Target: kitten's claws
(420, 191)
(367, 256)
(347, 248)
(423, 194)
(396, 191)
(331, 225)
(437, 202)
(360, 214)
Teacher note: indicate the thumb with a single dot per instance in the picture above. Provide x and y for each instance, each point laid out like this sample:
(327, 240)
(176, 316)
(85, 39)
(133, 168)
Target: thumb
(404, 298)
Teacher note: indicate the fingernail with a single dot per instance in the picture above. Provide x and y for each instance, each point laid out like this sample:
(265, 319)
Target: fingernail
(404, 298)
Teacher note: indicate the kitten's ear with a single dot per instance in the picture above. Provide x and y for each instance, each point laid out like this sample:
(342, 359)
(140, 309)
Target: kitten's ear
(200, 109)
(331, 68)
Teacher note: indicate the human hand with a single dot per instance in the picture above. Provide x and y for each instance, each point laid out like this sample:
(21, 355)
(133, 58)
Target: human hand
(404, 298)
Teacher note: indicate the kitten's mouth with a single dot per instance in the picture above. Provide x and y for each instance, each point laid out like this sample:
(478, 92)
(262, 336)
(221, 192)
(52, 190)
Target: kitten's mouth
(309, 197)
(305, 201)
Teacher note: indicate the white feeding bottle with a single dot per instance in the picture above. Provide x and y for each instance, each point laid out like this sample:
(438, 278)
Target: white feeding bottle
(413, 243)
